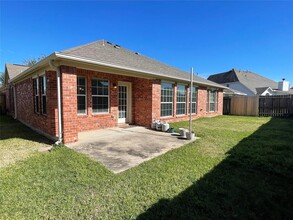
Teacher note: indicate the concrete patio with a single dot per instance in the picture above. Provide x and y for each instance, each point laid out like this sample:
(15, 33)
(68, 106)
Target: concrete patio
(119, 149)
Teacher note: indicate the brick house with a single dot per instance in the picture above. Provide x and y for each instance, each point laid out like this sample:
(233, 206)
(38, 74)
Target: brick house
(101, 85)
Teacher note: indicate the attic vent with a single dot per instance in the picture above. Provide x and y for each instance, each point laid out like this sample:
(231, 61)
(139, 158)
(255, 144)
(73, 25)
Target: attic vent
(137, 53)
(109, 43)
(117, 46)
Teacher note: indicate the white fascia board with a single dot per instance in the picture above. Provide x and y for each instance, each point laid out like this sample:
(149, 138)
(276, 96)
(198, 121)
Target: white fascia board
(152, 74)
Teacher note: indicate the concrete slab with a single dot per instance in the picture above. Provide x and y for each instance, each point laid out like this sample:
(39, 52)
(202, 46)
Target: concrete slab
(119, 149)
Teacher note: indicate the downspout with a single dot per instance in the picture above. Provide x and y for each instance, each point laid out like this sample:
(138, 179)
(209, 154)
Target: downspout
(58, 75)
(14, 100)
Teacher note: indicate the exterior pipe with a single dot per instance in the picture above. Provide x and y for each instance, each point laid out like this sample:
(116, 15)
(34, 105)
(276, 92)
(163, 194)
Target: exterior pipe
(58, 75)
(190, 103)
(14, 100)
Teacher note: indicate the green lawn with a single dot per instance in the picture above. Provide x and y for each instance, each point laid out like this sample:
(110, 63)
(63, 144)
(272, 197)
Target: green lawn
(18, 142)
(242, 167)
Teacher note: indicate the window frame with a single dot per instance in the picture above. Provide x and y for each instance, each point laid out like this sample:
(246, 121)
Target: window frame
(43, 93)
(178, 97)
(163, 102)
(108, 96)
(215, 101)
(81, 95)
(194, 95)
(36, 89)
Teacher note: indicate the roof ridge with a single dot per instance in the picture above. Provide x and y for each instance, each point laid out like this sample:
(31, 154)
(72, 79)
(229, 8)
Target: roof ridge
(123, 48)
(83, 45)
(258, 75)
(15, 64)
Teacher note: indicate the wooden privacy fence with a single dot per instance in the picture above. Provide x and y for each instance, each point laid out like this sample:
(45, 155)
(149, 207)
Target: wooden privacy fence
(281, 105)
(278, 106)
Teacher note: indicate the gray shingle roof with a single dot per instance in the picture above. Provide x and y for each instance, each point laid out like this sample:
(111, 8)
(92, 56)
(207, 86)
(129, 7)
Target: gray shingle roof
(114, 54)
(14, 70)
(247, 78)
(261, 90)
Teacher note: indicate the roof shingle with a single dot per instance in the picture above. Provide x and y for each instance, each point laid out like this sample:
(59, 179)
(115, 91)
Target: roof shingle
(247, 78)
(113, 54)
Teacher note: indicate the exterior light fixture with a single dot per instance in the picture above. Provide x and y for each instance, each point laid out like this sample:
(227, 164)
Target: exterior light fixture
(114, 85)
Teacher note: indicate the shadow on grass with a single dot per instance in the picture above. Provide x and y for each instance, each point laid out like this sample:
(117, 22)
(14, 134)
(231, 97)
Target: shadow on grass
(255, 181)
(11, 128)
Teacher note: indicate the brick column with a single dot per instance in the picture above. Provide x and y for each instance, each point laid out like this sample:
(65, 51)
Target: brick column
(69, 104)
(156, 100)
(202, 99)
(220, 101)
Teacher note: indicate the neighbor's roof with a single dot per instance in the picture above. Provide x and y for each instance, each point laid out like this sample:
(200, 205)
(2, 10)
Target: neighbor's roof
(261, 90)
(113, 54)
(247, 78)
(230, 91)
(14, 70)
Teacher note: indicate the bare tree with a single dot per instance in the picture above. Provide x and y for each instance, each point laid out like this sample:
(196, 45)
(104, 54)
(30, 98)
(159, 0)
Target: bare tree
(33, 61)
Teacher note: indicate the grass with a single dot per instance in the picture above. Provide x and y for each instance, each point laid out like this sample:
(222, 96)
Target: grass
(242, 167)
(17, 142)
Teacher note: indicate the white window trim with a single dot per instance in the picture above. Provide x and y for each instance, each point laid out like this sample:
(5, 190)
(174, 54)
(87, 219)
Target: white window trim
(194, 113)
(212, 90)
(37, 95)
(172, 114)
(181, 102)
(43, 94)
(85, 95)
(101, 113)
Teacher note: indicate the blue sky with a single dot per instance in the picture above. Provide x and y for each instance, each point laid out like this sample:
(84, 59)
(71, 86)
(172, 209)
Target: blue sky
(212, 36)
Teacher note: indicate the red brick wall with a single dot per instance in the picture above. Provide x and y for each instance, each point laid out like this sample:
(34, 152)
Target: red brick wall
(25, 105)
(146, 103)
(201, 105)
(9, 100)
(74, 123)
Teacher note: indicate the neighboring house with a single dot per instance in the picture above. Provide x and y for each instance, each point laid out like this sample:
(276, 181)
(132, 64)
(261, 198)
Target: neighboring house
(11, 71)
(250, 83)
(100, 85)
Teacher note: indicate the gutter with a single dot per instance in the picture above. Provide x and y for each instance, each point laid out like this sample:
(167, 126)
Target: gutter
(155, 75)
(56, 55)
(58, 75)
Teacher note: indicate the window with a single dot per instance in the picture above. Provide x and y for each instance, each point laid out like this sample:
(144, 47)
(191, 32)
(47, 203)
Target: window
(100, 96)
(36, 95)
(212, 101)
(181, 100)
(81, 95)
(194, 100)
(166, 99)
(43, 94)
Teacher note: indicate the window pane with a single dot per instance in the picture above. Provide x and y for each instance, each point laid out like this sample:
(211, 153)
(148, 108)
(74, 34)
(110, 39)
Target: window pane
(181, 100)
(44, 104)
(166, 99)
(212, 107)
(81, 85)
(37, 104)
(81, 108)
(44, 85)
(100, 104)
(36, 86)
(166, 109)
(100, 99)
(180, 108)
